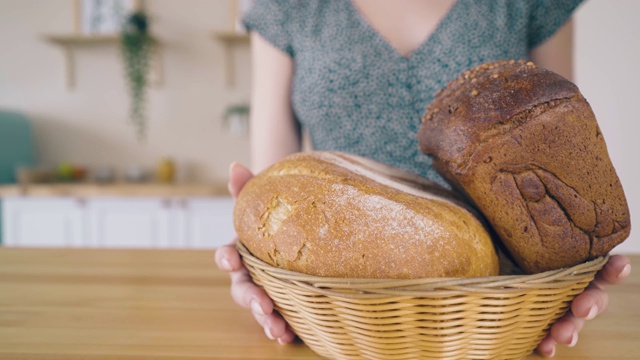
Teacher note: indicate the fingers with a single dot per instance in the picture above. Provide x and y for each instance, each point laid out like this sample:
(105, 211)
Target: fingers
(238, 176)
(228, 258)
(615, 271)
(287, 337)
(275, 327)
(547, 346)
(245, 293)
(565, 331)
(595, 300)
(591, 303)
(586, 306)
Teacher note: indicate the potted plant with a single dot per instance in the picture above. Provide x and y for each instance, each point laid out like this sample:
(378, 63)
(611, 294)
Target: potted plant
(236, 119)
(137, 49)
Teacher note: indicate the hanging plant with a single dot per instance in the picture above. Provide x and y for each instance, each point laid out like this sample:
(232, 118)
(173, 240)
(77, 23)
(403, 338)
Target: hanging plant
(137, 49)
(236, 119)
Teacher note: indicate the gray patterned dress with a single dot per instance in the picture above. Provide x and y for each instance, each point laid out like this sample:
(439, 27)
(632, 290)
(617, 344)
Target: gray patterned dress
(355, 93)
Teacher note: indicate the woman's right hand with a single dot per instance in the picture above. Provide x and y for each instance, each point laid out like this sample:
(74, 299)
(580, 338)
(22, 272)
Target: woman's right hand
(243, 291)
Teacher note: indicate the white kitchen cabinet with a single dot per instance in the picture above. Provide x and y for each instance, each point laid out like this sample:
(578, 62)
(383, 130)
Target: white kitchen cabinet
(126, 223)
(118, 222)
(43, 222)
(205, 223)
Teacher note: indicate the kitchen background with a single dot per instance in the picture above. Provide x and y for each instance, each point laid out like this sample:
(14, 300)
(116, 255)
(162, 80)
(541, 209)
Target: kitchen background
(197, 77)
(89, 123)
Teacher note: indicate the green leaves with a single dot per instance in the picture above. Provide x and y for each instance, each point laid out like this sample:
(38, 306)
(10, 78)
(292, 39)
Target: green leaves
(137, 49)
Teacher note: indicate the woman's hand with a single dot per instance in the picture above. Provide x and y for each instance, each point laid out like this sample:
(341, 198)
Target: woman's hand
(244, 292)
(586, 306)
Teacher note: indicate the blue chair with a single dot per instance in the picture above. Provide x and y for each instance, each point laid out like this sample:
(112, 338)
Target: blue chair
(16, 148)
(16, 145)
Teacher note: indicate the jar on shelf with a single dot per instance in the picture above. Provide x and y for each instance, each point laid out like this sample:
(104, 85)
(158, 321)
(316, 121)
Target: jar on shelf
(165, 170)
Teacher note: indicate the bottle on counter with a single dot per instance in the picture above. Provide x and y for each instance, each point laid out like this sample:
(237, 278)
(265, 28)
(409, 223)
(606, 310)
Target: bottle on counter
(165, 170)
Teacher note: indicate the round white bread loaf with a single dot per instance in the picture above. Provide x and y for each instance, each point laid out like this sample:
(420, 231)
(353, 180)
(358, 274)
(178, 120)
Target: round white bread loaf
(337, 215)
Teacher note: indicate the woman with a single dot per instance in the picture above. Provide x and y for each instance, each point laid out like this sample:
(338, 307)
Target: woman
(358, 75)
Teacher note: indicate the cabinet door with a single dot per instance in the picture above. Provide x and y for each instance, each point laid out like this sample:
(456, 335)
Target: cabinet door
(129, 222)
(205, 223)
(50, 222)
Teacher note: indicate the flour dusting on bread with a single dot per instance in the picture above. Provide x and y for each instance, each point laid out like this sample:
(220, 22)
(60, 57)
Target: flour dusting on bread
(336, 215)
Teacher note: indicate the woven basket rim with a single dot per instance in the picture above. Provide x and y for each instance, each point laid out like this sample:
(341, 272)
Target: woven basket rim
(494, 317)
(412, 287)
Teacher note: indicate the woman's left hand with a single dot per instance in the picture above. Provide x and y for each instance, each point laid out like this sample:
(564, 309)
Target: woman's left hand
(586, 306)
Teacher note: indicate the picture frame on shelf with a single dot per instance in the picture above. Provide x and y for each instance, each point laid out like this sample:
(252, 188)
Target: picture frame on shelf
(103, 17)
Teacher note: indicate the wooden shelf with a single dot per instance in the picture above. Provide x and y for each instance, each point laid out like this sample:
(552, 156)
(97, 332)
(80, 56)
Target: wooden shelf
(73, 39)
(70, 41)
(230, 39)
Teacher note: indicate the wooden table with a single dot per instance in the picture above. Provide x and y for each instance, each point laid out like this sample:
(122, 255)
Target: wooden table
(72, 304)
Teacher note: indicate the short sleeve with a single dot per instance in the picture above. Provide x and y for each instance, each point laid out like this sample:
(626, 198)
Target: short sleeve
(271, 19)
(546, 17)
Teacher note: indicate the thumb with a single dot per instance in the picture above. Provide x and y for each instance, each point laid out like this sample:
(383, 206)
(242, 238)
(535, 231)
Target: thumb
(238, 176)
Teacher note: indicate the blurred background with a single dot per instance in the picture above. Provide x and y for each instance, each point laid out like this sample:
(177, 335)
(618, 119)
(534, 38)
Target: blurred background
(161, 176)
(88, 123)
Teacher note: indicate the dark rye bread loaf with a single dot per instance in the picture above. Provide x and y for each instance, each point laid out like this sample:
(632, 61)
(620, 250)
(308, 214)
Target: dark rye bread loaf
(524, 145)
(338, 215)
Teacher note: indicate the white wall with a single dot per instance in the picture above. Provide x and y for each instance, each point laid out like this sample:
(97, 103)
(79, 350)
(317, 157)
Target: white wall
(607, 72)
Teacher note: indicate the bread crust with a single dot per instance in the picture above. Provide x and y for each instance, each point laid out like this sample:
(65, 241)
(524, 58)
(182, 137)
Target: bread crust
(337, 215)
(524, 145)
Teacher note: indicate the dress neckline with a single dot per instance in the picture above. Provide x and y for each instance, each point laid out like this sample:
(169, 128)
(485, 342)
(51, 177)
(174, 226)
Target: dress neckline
(369, 28)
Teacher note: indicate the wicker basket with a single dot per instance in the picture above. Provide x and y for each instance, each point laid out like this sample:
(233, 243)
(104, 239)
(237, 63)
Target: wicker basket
(500, 317)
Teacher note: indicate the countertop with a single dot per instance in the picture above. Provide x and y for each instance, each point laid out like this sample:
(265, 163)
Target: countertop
(115, 189)
(72, 304)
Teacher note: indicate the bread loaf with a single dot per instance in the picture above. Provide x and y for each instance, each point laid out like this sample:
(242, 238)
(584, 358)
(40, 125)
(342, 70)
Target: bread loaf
(525, 147)
(338, 215)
